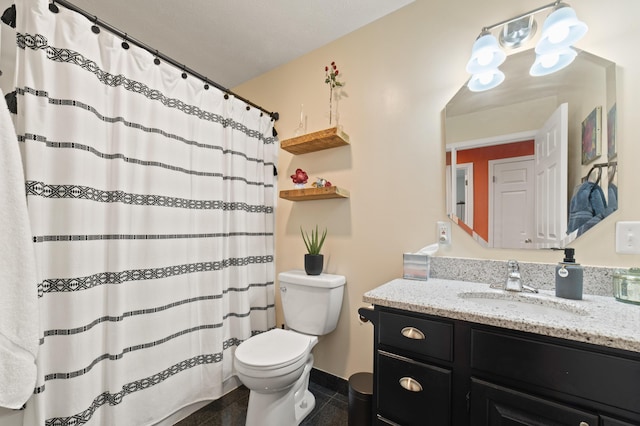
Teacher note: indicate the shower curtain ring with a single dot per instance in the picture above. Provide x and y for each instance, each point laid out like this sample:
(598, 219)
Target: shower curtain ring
(53, 8)
(156, 60)
(124, 44)
(95, 28)
(184, 72)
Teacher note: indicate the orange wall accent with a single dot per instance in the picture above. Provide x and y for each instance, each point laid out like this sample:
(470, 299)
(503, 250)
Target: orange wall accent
(480, 158)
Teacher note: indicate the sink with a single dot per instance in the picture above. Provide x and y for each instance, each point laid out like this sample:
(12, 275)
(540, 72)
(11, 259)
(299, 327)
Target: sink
(524, 303)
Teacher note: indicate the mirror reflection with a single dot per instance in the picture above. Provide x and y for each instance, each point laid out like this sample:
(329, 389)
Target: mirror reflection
(532, 163)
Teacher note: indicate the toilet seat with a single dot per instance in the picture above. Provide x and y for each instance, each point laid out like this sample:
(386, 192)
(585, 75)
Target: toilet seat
(273, 350)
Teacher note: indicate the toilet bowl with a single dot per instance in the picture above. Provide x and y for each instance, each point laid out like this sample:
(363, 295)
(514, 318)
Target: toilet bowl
(275, 365)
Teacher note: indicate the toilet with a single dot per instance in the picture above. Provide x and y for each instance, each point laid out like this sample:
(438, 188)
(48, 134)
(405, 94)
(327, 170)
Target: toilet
(275, 365)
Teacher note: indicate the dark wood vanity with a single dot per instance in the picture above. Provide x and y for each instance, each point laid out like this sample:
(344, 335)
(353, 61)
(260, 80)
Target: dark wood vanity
(433, 370)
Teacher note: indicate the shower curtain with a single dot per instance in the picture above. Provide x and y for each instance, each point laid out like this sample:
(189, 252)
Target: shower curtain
(151, 201)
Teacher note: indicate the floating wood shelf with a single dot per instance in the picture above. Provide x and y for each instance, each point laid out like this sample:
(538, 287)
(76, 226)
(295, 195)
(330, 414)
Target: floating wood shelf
(306, 194)
(317, 141)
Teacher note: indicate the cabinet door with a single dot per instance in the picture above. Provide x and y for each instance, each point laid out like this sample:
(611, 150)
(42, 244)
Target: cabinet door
(586, 374)
(608, 421)
(495, 405)
(412, 393)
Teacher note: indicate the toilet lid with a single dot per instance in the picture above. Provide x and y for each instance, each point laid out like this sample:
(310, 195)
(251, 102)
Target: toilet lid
(274, 349)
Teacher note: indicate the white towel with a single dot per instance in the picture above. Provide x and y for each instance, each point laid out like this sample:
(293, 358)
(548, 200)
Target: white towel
(18, 291)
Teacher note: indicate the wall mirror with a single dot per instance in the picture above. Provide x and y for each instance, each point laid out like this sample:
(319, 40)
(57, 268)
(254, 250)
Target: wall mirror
(532, 163)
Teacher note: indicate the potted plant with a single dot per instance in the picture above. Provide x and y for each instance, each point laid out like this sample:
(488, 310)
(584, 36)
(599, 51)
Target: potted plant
(313, 260)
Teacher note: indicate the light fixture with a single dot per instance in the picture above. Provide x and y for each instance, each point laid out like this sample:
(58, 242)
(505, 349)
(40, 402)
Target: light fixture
(486, 57)
(486, 80)
(549, 63)
(560, 31)
(485, 54)
(516, 32)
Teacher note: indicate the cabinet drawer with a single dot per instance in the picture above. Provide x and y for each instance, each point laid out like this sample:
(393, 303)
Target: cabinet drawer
(594, 376)
(608, 421)
(418, 335)
(496, 405)
(426, 402)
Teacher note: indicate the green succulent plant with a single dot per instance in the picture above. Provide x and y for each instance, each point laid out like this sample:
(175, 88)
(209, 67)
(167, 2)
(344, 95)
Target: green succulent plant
(313, 241)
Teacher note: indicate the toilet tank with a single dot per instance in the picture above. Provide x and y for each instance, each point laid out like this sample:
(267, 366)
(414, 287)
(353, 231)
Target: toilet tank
(311, 303)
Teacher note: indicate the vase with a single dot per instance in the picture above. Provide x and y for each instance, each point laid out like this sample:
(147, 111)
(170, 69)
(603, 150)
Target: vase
(313, 264)
(334, 116)
(302, 125)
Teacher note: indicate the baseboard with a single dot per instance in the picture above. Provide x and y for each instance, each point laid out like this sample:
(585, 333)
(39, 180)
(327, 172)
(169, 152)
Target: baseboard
(329, 381)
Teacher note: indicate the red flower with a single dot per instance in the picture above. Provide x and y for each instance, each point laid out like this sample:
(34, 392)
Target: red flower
(331, 74)
(300, 176)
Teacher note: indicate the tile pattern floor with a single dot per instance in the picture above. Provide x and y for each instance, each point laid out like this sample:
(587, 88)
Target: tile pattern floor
(331, 409)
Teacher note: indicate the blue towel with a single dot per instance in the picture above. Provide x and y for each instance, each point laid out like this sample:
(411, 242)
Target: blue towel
(613, 197)
(587, 208)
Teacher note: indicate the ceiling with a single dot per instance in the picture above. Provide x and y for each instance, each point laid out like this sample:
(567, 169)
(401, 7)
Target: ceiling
(233, 41)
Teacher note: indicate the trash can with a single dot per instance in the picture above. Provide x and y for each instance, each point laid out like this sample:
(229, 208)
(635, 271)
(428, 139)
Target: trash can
(360, 399)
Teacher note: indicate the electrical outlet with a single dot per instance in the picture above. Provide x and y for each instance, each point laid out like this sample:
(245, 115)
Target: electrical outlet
(444, 233)
(628, 237)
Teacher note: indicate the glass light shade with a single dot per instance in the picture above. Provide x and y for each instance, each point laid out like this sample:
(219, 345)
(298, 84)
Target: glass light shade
(560, 30)
(486, 80)
(551, 62)
(485, 55)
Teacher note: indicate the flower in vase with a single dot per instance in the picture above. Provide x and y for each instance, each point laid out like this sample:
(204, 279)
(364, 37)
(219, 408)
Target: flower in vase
(331, 76)
(300, 177)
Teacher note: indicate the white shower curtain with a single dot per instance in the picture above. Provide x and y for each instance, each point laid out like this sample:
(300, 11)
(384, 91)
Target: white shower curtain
(151, 203)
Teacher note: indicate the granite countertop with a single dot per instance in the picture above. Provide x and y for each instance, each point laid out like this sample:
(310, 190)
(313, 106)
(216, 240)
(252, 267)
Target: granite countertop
(599, 320)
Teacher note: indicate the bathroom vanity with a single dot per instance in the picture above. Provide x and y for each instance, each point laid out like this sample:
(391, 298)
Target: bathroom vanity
(457, 353)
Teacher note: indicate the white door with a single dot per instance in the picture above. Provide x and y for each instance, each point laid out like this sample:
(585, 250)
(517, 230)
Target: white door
(511, 201)
(551, 154)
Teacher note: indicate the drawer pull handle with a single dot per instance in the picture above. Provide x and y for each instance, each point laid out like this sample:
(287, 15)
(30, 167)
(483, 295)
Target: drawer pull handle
(410, 384)
(412, 333)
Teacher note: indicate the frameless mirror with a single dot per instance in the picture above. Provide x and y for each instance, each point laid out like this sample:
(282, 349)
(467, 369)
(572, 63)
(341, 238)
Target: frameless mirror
(532, 163)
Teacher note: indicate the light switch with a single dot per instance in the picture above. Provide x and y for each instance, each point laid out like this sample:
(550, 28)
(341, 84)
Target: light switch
(628, 237)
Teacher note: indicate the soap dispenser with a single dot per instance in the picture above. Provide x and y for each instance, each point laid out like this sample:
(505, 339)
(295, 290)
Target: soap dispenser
(569, 277)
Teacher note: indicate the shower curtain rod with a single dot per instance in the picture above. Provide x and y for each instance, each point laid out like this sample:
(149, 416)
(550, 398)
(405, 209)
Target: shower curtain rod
(125, 37)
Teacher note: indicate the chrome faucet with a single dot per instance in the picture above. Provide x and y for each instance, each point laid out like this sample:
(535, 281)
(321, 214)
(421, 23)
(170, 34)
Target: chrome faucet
(514, 279)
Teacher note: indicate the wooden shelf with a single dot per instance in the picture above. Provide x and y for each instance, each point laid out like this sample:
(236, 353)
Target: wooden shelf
(317, 141)
(306, 194)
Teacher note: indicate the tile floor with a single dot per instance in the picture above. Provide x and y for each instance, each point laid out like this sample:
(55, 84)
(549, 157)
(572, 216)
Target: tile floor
(331, 409)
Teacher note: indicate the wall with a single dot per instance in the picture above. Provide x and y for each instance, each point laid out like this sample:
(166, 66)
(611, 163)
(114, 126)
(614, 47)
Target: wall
(400, 71)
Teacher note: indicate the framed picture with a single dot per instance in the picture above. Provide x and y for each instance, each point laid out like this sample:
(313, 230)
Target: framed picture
(591, 136)
(611, 132)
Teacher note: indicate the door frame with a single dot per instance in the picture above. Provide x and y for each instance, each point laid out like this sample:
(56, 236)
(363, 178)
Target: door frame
(468, 207)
